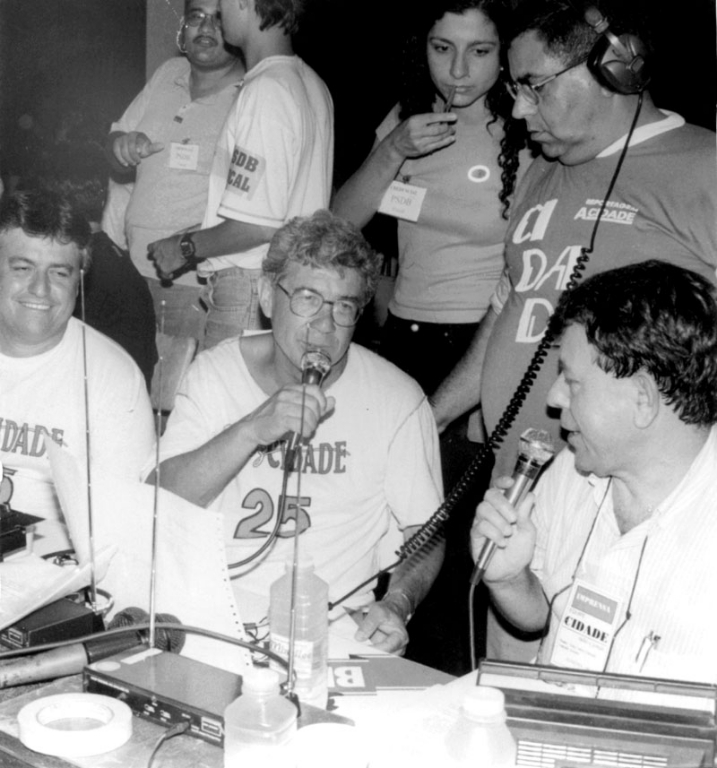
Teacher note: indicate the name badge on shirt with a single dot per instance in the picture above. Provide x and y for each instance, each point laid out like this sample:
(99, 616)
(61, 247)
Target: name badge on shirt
(404, 201)
(183, 157)
(587, 628)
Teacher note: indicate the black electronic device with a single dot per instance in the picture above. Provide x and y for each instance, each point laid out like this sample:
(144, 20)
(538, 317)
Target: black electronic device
(63, 619)
(619, 62)
(169, 690)
(13, 529)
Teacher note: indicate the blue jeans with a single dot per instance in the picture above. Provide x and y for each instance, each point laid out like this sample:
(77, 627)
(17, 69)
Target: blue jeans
(232, 299)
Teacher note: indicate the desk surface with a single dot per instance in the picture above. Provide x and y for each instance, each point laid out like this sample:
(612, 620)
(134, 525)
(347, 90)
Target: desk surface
(357, 676)
(179, 752)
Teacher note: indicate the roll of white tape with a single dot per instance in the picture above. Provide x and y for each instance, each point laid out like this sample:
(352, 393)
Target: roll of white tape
(75, 724)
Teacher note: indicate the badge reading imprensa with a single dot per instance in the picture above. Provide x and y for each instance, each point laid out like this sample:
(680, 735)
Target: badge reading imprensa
(586, 630)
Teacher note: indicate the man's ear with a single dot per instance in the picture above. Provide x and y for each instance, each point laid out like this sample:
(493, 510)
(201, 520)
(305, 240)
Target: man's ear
(647, 399)
(266, 295)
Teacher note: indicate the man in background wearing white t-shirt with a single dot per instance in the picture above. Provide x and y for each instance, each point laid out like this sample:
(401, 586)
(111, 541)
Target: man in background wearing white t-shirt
(273, 161)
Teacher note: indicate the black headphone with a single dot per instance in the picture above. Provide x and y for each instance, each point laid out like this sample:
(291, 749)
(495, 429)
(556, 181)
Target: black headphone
(618, 63)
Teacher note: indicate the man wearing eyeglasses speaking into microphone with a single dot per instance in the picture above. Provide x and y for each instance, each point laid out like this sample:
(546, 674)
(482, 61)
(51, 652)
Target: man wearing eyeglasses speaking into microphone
(369, 448)
(615, 562)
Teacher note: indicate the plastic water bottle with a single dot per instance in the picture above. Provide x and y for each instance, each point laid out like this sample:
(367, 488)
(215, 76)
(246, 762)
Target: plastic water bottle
(311, 633)
(480, 736)
(259, 724)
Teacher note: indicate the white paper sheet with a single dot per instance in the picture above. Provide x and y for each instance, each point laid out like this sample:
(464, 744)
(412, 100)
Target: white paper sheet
(27, 582)
(192, 580)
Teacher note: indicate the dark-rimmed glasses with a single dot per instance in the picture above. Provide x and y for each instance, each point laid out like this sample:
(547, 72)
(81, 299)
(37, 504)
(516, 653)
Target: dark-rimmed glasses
(304, 302)
(531, 91)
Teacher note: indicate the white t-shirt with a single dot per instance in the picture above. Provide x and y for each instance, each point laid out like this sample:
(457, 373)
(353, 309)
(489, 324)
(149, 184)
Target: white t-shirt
(44, 396)
(374, 460)
(274, 158)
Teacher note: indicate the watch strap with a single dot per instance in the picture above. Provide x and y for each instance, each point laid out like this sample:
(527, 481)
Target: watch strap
(189, 250)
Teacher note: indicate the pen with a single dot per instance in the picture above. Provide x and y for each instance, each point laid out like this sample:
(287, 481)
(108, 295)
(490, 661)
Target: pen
(449, 100)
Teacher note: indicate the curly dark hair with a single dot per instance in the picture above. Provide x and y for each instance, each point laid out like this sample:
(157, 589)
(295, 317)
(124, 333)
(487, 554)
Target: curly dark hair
(418, 93)
(654, 317)
(324, 241)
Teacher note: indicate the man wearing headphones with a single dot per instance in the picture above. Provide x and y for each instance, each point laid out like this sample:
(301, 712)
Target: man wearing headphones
(619, 181)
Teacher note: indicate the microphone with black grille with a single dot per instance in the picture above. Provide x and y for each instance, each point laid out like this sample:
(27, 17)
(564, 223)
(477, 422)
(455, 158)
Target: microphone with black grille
(315, 366)
(72, 659)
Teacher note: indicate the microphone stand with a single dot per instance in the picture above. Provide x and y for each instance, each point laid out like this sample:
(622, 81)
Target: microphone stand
(315, 366)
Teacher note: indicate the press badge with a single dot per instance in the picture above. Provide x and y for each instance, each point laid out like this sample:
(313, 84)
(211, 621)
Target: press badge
(183, 157)
(404, 201)
(587, 628)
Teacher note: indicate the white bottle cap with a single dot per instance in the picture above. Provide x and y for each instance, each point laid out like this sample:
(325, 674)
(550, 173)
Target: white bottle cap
(484, 703)
(260, 680)
(305, 563)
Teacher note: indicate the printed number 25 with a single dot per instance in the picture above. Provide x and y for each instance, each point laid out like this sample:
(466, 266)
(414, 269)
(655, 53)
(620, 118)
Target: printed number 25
(260, 501)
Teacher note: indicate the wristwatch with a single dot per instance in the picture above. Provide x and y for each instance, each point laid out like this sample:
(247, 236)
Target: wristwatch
(188, 249)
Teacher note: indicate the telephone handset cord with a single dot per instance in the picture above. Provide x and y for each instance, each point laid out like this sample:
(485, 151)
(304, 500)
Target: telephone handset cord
(432, 526)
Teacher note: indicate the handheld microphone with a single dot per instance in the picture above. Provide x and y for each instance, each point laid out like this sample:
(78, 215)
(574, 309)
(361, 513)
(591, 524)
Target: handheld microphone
(315, 366)
(536, 448)
(72, 659)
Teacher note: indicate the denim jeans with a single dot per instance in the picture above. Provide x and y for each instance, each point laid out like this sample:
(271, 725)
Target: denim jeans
(232, 299)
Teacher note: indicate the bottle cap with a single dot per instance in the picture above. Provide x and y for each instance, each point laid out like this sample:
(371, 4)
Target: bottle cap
(484, 703)
(305, 563)
(260, 680)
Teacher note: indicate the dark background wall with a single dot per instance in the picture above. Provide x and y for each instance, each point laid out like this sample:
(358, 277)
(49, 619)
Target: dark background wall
(73, 65)
(354, 46)
(66, 66)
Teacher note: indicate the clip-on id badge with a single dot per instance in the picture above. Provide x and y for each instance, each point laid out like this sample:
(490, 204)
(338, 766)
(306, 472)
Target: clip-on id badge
(183, 157)
(403, 201)
(587, 628)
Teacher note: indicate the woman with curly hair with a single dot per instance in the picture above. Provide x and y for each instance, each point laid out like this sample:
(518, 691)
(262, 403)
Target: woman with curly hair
(450, 148)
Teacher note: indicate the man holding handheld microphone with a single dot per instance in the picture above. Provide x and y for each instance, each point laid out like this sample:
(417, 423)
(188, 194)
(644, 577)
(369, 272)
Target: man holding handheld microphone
(369, 465)
(612, 557)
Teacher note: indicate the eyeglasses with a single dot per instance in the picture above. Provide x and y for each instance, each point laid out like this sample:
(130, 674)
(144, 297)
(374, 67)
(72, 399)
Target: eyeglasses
(304, 302)
(531, 91)
(197, 18)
